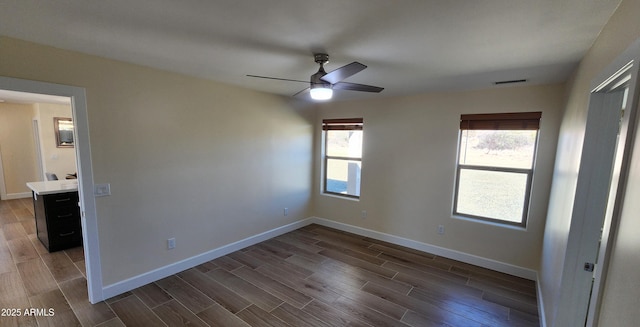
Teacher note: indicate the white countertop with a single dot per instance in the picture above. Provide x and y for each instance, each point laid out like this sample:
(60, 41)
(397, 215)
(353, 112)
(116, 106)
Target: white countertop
(53, 187)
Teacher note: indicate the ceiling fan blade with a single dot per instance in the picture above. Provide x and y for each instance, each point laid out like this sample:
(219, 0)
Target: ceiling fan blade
(279, 79)
(357, 87)
(302, 91)
(343, 72)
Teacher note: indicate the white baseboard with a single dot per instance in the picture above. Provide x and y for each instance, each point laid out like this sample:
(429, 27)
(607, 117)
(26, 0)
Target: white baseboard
(174, 268)
(13, 196)
(433, 249)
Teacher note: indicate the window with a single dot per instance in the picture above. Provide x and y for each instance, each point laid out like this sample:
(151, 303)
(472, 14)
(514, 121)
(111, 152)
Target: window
(495, 166)
(342, 156)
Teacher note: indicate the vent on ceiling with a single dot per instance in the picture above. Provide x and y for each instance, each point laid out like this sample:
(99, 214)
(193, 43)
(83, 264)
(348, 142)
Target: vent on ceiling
(510, 81)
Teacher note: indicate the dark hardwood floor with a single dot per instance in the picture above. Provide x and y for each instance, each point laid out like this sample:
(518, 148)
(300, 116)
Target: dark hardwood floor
(314, 276)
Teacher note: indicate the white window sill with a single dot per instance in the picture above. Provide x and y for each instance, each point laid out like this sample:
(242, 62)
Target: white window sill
(491, 223)
(331, 195)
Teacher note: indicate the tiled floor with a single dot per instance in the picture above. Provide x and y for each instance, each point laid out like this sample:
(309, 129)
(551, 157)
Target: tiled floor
(315, 276)
(30, 277)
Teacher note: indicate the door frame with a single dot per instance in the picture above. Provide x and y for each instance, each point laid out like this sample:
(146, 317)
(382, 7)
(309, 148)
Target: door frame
(622, 161)
(85, 172)
(3, 188)
(38, 145)
(39, 163)
(599, 192)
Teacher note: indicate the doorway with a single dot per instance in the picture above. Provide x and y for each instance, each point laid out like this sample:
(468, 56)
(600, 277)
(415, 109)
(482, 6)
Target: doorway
(620, 88)
(84, 171)
(610, 129)
(28, 144)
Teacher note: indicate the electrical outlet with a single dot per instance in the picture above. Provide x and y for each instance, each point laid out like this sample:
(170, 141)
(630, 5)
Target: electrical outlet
(441, 229)
(286, 211)
(363, 214)
(171, 243)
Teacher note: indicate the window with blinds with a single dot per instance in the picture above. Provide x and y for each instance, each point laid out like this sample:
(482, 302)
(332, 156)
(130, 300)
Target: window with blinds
(342, 156)
(495, 164)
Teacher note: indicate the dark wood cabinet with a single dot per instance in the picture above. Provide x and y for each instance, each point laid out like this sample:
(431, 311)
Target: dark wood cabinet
(58, 220)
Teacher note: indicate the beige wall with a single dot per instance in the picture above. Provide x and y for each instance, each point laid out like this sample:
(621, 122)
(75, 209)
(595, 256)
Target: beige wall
(17, 146)
(408, 170)
(206, 163)
(60, 161)
(210, 164)
(622, 288)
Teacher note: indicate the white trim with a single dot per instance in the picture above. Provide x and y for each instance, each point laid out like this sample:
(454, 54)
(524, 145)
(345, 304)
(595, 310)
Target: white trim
(3, 188)
(35, 122)
(13, 196)
(433, 249)
(176, 267)
(622, 162)
(490, 223)
(85, 172)
(541, 313)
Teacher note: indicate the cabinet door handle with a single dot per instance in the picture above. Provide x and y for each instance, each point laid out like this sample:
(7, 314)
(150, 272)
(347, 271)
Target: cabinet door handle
(65, 216)
(63, 200)
(67, 234)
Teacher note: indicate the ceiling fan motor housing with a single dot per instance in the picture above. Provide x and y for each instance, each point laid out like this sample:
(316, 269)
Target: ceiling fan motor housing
(316, 79)
(316, 82)
(321, 58)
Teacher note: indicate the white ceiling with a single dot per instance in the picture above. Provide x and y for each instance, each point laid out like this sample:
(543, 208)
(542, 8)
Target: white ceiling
(410, 46)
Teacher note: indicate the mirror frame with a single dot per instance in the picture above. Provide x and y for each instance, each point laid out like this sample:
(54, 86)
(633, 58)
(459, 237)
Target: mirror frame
(56, 129)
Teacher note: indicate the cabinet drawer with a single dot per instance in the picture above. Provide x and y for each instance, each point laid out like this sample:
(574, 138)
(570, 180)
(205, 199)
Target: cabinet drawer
(62, 213)
(61, 199)
(65, 231)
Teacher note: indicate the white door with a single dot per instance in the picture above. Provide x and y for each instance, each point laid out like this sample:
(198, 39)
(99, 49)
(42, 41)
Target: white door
(621, 89)
(599, 190)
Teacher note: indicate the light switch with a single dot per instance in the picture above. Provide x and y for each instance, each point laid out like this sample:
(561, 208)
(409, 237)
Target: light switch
(102, 189)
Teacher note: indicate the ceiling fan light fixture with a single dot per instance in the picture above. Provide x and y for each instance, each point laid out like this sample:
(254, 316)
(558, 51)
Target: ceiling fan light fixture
(322, 83)
(321, 92)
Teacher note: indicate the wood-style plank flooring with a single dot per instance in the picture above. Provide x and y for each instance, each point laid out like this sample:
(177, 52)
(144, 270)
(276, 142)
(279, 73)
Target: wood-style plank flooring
(314, 276)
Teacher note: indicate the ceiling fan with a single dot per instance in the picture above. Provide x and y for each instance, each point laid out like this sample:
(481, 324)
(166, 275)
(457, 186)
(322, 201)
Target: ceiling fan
(322, 84)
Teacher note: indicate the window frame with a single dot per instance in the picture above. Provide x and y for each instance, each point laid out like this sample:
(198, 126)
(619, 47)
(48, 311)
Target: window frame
(340, 124)
(502, 121)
